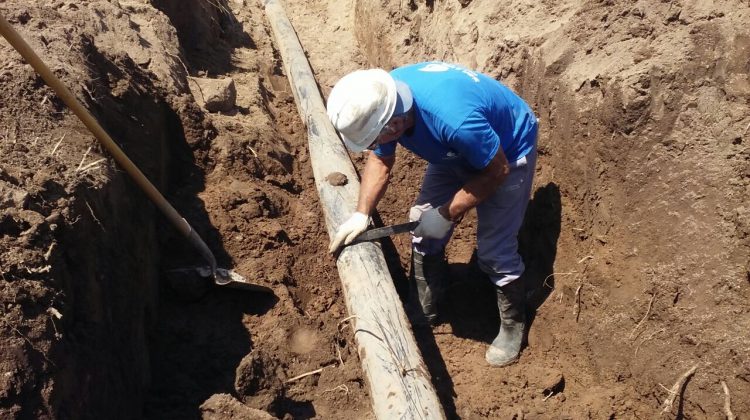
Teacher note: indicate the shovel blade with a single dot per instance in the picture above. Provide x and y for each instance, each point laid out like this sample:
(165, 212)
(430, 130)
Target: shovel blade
(231, 279)
(226, 278)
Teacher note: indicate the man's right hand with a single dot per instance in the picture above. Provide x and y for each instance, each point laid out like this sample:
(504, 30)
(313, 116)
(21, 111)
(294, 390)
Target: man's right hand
(349, 230)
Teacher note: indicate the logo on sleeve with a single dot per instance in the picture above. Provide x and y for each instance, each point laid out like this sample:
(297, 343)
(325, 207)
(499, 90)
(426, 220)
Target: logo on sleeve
(437, 67)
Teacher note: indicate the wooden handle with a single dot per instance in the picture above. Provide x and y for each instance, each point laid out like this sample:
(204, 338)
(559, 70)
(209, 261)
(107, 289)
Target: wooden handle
(15, 40)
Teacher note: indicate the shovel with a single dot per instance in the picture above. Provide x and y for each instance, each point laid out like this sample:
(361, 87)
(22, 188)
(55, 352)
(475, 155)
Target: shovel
(220, 276)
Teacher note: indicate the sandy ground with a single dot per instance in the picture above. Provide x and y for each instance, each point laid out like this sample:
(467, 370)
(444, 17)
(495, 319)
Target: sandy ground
(636, 238)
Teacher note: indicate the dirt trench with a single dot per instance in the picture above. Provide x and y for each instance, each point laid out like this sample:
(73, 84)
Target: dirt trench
(95, 323)
(636, 238)
(636, 235)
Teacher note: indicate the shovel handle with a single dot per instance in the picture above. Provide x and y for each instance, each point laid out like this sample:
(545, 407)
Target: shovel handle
(17, 41)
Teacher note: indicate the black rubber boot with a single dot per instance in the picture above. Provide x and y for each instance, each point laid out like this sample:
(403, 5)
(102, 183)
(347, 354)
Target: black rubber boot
(429, 274)
(506, 347)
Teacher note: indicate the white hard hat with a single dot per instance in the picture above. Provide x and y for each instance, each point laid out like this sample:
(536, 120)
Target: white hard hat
(362, 102)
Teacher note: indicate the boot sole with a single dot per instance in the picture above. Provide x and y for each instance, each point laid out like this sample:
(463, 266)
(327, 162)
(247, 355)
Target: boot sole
(508, 363)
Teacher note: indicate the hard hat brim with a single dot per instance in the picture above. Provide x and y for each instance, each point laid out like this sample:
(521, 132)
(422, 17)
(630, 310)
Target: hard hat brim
(357, 137)
(404, 102)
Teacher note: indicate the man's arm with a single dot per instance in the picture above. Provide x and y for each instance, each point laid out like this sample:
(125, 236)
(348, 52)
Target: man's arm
(375, 179)
(478, 188)
(374, 183)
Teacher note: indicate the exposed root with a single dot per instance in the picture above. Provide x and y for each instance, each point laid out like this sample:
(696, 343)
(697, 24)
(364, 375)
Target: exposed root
(304, 375)
(83, 159)
(94, 216)
(577, 307)
(556, 274)
(255, 154)
(674, 392)
(338, 355)
(341, 387)
(338, 327)
(91, 95)
(339, 330)
(37, 349)
(54, 149)
(646, 339)
(54, 313)
(648, 312)
(48, 254)
(92, 165)
(727, 402)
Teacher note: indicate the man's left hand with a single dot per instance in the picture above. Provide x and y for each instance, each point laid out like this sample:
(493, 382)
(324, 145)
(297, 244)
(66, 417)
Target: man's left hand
(433, 225)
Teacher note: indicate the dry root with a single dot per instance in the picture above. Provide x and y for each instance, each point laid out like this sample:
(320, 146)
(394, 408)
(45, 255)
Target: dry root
(648, 312)
(727, 402)
(304, 375)
(674, 392)
(577, 308)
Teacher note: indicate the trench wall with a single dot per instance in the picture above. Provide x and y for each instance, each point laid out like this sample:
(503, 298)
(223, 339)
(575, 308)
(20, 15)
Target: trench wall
(642, 115)
(81, 291)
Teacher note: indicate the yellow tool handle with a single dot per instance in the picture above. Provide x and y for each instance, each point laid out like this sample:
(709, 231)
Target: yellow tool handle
(15, 39)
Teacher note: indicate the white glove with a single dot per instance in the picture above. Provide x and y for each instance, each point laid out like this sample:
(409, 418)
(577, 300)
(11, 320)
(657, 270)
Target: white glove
(349, 230)
(433, 225)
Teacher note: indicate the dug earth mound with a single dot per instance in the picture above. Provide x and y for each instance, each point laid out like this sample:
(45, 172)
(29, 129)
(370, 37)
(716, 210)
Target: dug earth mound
(636, 240)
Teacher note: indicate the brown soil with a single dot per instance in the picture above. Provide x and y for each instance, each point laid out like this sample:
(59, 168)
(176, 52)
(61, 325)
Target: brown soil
(636, 240)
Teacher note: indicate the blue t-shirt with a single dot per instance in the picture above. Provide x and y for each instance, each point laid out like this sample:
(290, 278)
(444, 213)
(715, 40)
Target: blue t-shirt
(462, 117)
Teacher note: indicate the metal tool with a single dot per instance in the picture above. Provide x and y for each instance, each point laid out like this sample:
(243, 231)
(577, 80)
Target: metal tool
(220, 276)
(377, 233)
(223, 277)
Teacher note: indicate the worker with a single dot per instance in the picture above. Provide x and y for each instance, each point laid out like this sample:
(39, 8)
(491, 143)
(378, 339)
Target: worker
(479, 139)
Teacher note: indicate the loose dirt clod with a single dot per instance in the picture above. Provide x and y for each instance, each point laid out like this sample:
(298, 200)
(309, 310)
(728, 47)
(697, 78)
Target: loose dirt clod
(337, 179)
(216, 95)
(553, 382)
(257, 380)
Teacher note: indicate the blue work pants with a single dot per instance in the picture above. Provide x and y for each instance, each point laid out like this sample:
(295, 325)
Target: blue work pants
(499, 216)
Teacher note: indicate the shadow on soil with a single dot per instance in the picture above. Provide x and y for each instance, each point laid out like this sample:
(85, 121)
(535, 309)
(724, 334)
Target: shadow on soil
(301, 410)
(471, 309)
(199, 338)
(196, 349)
(470, 303)
(208, 32)
(538, 244)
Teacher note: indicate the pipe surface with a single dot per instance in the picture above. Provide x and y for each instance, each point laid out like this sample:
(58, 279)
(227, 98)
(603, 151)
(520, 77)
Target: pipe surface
(400, 384)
